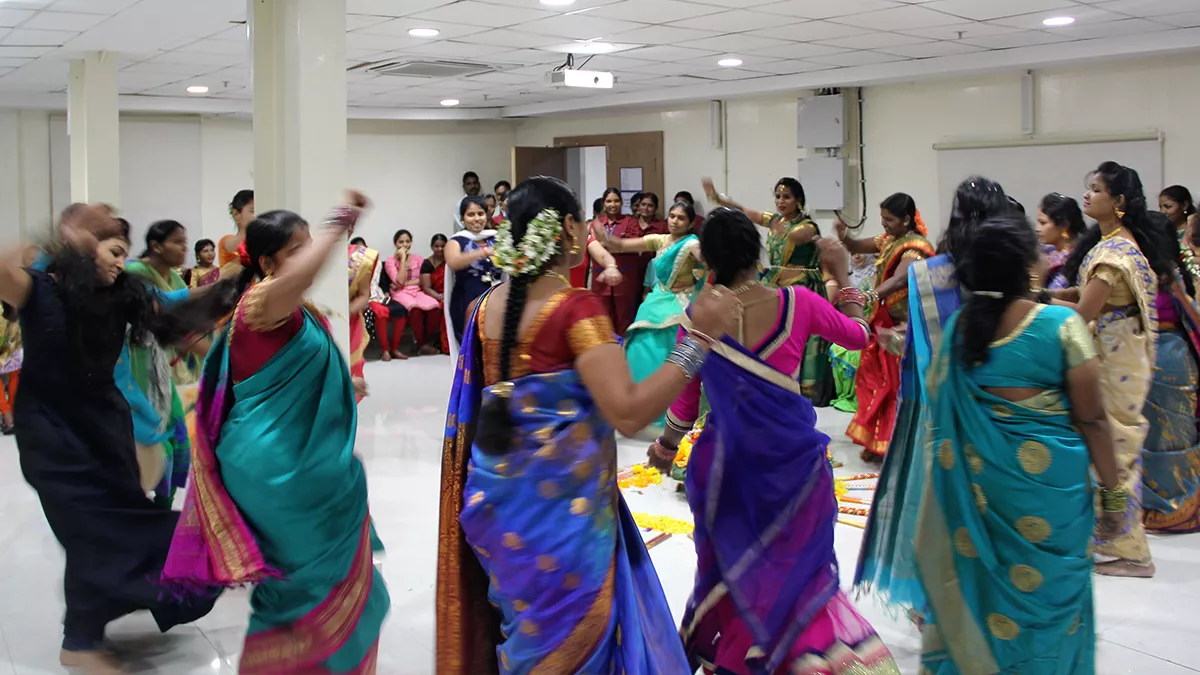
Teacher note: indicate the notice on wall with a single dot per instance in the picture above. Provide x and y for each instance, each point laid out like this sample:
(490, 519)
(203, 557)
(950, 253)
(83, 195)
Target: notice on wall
(631, 179)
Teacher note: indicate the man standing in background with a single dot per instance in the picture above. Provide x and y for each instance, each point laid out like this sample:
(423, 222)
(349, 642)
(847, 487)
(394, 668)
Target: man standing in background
(471, 188)
(501, 191)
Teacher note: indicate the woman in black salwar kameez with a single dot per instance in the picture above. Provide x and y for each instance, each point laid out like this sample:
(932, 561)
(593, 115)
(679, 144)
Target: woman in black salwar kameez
(75, 435)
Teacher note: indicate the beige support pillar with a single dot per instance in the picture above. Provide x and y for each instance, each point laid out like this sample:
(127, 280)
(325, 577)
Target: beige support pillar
(299, 49)
(93, 128)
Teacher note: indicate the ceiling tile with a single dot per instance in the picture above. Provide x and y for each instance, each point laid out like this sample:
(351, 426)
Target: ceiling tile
(878, 40)
(1144, 8)
(6, 62)
(392, 7)
(899, 19)
(503, 78)
(824, 9)
(360, 40)
(984, 11)
(3, 72)
(861, 58)
(663, 35)
(71, 21)
(527, 57)
(579, 26)
(357, 21)
(1111, 29)
(736, 4)
(23, 51)
(731, 22)
(736, 43)
(672, 68)
(197, 59)
(1189, 20)
(1024, 38)
(481, 14)
(927, 50)
(227, 47)
(93, 6)
(665, 53)
(609, 62)
(790, 67)
(508, 37)
(400, 28)
(182, 70)
(811, 31)
(565, 9)
(959, 31)
(1083, 15)
(653, 11)
(799, 50)
(729, 74)
(14, 17)
(452, 49)
(22, 37)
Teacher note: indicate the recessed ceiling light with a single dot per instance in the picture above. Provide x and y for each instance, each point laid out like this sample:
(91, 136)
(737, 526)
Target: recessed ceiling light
(197, 89)
(450, 102)
(729, 63)
(558, 3)
(424, 32)
(1056, 21)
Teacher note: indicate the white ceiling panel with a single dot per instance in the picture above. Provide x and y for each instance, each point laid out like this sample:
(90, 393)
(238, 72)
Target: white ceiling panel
(400, 28)
(662, 35)
(878, 40)
(527, 57)
(824, 9)
(927, 50)
(579, 26)
(514, 39)
(811, 31)
(71, 21)
(959, 31)
(91, 6)
(734, 21)
(799, 50)
(790, 67)
(7, 62)
(357, 21)
(27, 52)
(653, 11)
(981, 10)
(1147, 8)
(667, 54)
(456, 50)
(1111, 29)
(22, 37)
(1084, 16)
(197, 59)
(861, 58)
(1189, 20)
(900, 18)
(392, 8)
(481, 14)
(226, 47)
(731, 74)
(1025, 38)
(736, 42)
(14, 17)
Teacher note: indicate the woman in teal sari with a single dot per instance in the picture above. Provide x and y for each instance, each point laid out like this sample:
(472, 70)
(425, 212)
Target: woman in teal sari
(678, 275)
(278, 498)
(541, 568)
(886, 560)
(1007, 511)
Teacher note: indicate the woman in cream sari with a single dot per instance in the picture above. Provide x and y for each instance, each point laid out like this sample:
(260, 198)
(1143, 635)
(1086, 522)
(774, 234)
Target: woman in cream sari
(1117, 264)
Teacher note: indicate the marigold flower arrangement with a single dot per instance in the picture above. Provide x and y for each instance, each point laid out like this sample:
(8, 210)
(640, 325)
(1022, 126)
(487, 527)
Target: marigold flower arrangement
(641, 477)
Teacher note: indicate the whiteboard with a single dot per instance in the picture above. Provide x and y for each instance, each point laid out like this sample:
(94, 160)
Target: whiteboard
(1030, 169)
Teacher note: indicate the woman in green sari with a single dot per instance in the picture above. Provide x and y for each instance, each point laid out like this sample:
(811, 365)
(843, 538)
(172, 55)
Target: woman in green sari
(160, 370)
(796, 259)
(678, 274)
(1016, 416)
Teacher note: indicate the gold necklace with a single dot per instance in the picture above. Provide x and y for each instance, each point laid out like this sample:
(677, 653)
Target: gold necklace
(743, 288)
(560, 277)
(1112, 234)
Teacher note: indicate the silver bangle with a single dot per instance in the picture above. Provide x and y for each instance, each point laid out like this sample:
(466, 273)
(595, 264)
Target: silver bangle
(689, 356)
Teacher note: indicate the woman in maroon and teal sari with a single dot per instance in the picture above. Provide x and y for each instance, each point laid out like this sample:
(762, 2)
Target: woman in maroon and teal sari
(541, 568)
(766, 599)
(289, 515)
(878, 378)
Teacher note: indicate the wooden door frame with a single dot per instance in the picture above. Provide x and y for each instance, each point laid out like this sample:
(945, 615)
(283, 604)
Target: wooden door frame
(653, 138)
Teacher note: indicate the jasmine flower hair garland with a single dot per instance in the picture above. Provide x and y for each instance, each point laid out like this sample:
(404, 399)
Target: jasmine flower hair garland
(539, 245)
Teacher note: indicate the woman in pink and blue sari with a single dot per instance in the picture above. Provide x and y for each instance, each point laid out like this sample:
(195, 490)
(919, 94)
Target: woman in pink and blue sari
(1059, 225)
(289, 515)
(541, 568)
(766, 599)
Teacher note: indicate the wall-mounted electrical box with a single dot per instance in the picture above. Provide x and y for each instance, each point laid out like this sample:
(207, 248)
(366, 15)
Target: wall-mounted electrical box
(821, 122)
(824, 180)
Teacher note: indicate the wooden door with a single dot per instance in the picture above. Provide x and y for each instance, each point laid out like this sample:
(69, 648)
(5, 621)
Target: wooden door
(529, 162)
(629, 151)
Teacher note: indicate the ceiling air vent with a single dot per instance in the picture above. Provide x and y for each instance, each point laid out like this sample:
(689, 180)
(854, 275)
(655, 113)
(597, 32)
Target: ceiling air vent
(424, 69)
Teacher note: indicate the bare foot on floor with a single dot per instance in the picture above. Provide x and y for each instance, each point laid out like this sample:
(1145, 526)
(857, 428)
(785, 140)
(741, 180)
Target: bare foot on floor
(1125, 568)
(91, 663)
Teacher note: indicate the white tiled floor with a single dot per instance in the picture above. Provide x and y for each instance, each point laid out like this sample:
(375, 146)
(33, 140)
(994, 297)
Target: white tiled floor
(1144, 625)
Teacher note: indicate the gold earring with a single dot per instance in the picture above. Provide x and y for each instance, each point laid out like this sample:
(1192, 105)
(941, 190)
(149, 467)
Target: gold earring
(1120, 213)
(575, 248)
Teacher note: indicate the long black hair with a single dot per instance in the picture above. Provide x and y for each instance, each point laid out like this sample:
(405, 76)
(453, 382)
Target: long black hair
(994, 269)
(525, 202)
(730, 244)
(1155, 244)
(159, 233)
(977, 199)
(1167, 231)
(1065, 213)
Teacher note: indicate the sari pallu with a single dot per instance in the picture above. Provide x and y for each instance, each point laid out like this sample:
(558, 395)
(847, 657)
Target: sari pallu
(543, 534)
(887, 560)
(1006, 521)
(652, 336)
(761, 489)
(793, 265)
(878, 377)
(362, 262)
(1171, 456)
(1125, 338)
(279, 500)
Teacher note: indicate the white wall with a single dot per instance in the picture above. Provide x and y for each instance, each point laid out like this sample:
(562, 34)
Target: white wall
(25, 207)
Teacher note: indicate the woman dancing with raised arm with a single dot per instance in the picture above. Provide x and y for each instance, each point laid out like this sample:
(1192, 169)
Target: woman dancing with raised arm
(766, 599)
(540, 564)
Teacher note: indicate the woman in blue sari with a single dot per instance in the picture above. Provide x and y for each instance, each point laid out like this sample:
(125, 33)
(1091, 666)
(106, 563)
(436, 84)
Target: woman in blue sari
(277, 497)
(1016, 417)
(766, 599)
(541, 568)
(886, 560)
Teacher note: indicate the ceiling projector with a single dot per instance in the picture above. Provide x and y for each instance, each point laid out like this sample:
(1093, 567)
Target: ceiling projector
(585, 79)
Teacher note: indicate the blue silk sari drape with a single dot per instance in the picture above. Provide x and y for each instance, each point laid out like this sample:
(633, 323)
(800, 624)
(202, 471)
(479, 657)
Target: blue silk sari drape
(570, 579)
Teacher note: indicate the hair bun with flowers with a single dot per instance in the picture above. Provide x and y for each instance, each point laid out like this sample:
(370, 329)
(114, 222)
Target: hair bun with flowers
(919, 222)
(536, 248)
(243, 254)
